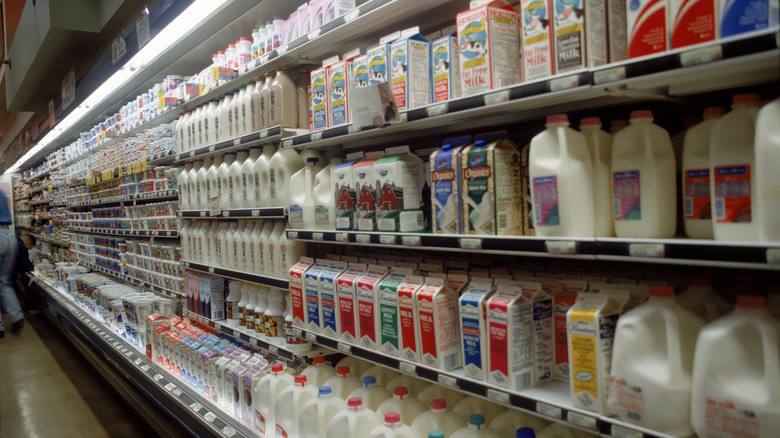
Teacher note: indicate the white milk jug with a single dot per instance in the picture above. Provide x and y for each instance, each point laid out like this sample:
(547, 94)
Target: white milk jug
(181, 183)
(319, 372)
(236, 184)
(509, 421)
(473, 405)
(248, 184)
(192, 185)
(318, 412)
(289, 405)
(223, 180)
(412, 384)
(392, 428)
(644, 200)
(302, 210)
(438, 418)
(262, 176)
(403, 404)
(371, 394)
(207, 176)
(358, 366)
(561, 178)
(325, 197)
(264, 397)
(382, 375)
(353, 422)
(213, 180)
(736, 374)
(600, 147)
(283, 165)
(433, 391)
(343, 383)
(476, 428)
(700, 299)
(767, 177)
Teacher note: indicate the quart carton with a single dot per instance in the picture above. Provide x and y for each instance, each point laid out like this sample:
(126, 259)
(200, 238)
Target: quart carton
(152, 322)
(409, 327)
(742, 16)
(214, 287)
(445, 69)
(616, 30)
(399, 179)
(311, 287)
(341, 82)
(347, 295)
(537, 39)
(367, 288)
(691, 22)
(236, 391)
(246, 394)
(580, 28)
(365, 179)
(487, 38)
(437, 313)
(542, 330)
(563, 299)
(410, 70)
(473, 327)
(591, 324)
(445, 186)
(388, 310)
(297, 296)
(328, 298)
(490, 172)
(320, 95)
(646, 24)
(343, 185)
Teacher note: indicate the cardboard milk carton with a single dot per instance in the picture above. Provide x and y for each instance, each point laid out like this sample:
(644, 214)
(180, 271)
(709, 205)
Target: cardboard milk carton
(311, 287)
(580, 28)
(410, 70)
(297, 295)
(360, 71)
(542, 330)
(510, 326)
(343, 185)
(367, 288)
(445, 69)
(320, 95)
(377, 60)
(646, 26)
(399, 179)
(347, 295)
(388, 310)
(214, 287)
(437, 314)
(328, 298)
(537, 38)
(563, 299)
(691, 23)
(445, 186)
(487, 39)
(616, 30)
(473, 327)
(365, 180)
(409, 327)
(341, 82)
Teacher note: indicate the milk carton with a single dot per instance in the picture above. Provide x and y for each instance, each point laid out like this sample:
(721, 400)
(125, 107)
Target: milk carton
(742, 16)
(563, 299)
(367, 288)
(691, 23)
(591, 324)
(328, 298)
(542, 330)
(510, 326)
(365, 179)
(410, 70)
(341, 81)
(377, 65)
(214, 288)
(537, 39)
(399, 179)
(580, 34)
(297, 297)
(409, 327)
(360, 71)
(487, 38)
(616, 30)
(343, 185)
(320, 106)
(473, 327)
(311, 288)
(437, 314)
(347, 295)
(388, 310)
(647, 27)
(445, 69)
(445, 186)
(491, 188)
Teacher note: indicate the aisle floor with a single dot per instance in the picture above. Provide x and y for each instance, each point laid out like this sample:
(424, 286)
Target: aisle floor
(48, 389)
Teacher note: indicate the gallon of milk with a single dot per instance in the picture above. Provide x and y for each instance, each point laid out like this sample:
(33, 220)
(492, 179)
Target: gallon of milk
(437, 418)
(412, 384)
(736, 373)
(372, 394)
(736, 17)
(343, 383)
(358, 366)
(318, 412)
(507, 422)
(700, 299)
(561, 176)
(647, 27)
(324, 196)
(767, 178)
(399, 184)
(282, 166)
(559, 430)
(643, 180)
(652, 361)
(445, 69)
(402, 403)
(392, 428)
(356, 421)
(697, 206)
(382, 375)
(473, 405)
(264, 398)
(445, 186)
(691, 23)
(473, 326)
(344, 191)
(537, 39)
(365, 179)
(410, 70)
(289, 405)
(301, 213)
(262, 172)
(476, 428)
(319, 372)
(600, 147)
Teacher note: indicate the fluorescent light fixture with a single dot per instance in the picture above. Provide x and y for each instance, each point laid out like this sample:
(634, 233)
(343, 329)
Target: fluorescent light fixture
(175, 32)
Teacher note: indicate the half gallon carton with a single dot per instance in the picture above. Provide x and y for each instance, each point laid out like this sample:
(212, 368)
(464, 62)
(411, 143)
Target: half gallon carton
(542, 330)
(437, 313)
(343, 182)
(491, 187)
(399, 179)
(410, 70)
(691, 22)
(473, 327)
(328, 298)
(311, 287)
(537, 39)
(741, 16)
(368, 305)
(360, 71)
(563, 299)
(580, 28)
(297, 295)
(591, 324)
(510, 326)
(347, 295)
(616, 29)
(647, 27)
(445, 69)
(365, 179)
(341, 82)
(409, 326)
(320, 92)
(377, 63)
(388, 310)
(445, 186)
(487, 37)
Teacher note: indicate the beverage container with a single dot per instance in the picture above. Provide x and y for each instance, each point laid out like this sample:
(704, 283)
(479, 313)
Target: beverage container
(248, 184)
(509, 421)
(283, 100)
(438, 418)
(302, 85)
(738, 17)
(359, 366)
(262, 172)
(767, 179)
(318, 412)
(343, 383)
(223, 181)
(207, 178)
(289, 405)
(599, 144)
(235, 193)
(430, 392)
(399, 186)
(260, 309)
(403, 404)
(473, 405)
(274, 321)
(446, 186)
(356, 421)
(264, 397)
(324, 196)
(302, 210)
(646, 25)
(193, 190)
(181, 183)
(265, 100)
(392, 428)
(476, 428)
(283, 164)
(700, 299)
(319, 372)
(372, 394)
(292, 342)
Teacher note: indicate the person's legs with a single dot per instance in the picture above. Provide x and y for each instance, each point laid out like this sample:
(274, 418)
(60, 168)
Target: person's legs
(8, 299)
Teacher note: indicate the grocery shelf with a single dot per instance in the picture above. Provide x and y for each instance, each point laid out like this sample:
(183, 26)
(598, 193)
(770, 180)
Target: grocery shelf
(261, 213)
(170, 395)
(51, 240)
(22, 198)
(57, 204)
(135, 281)
(272, 134)
(130, 233)
(41, 202)
(142, 198)
(238, 275)
(166, 157)
(38, 189)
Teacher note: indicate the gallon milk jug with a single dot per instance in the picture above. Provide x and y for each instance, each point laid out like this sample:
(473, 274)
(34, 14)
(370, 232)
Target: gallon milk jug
(289, 405)
(272, 268)
(558, 430)
(236, 184)
(343, 383)
(355, 421)
(767, 177)
(284, 100)
(403, 404)
(264, 397)
(697, 207)
(509, 421)
(181, 183)
(262, 171)
(473, 405)
(700, 299)
(476, 428)
(318, 412)
(358, 366)
(438, 418)
(301, 213)
(212, 177)
(561, 177)
(371, 394)
(325, 197)
(412, 384)
(392, 428)
(644, 200)
(431, 392)
(736, 374)
(383, 375)
(192, 185)
(205, 177)
(652, 361)
(732, 158)
(283, 165)
(223, 180)
(319, 372)
(600, 147)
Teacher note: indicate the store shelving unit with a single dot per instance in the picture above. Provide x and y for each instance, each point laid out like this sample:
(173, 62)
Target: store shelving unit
(262, 213)
(135, 281)
(51, 240)
(157, 196)
(281, 283)
(130, 233)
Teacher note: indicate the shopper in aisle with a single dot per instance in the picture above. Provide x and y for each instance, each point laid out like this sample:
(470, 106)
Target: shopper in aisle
(9, 303)
(24, 247)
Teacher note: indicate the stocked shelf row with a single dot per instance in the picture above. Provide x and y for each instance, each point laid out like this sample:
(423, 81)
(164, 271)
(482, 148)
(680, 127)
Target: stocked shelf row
(264, 213)
(41, 202)
(272, 134)
(130, 233)
(160, 195)
(280, 283)
(135, 281)
(51, 240)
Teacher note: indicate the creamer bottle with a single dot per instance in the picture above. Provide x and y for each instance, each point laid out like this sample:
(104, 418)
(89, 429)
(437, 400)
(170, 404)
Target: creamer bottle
(245, 296)
(353, 422)
(561, 177)
(317, 413)
(283, 165)
(732, 183)
(197, 122)
(289, 405)
(476, 428)
(257, 116)
(302, 84)
(644, 200)
(284, 100)
(319, 372)
(392, 428)
(235, 180)
(262, 176)
(301, 211)
(697, 206)
(371, 394)
(652, 361)
(265, 100)
(225, 117)
(260, 309)
(223, 181)
(248, 198)
(181, 183)
(325, 197)
(203, 178)
(343, 383)
(220, 244)
(767, 178)
(402, 403)
(274, 319)
(600, 147)
(736, 373)
(700, 299)
(273, 263)
(264, 397)
(437, 418)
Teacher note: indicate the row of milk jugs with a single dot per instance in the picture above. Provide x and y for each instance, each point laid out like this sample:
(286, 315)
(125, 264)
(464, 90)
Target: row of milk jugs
(260, 104)
(590, 183)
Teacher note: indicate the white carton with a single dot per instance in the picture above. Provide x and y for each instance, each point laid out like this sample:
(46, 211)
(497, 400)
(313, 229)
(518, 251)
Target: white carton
(341, 82)
(343, 183)
(445, 69)
(616, 29)
(646, 26)
(311, 288)
(410, 71)
(399, 179)
(437, 314)
(473, 327)
(297, 296)
(365, 180)
(328, 298)
(510, 325)
(367, 288)
(537, 39)
(409, 327)
(387, 300)
(542, 330)
(347, 294)
(580, 28)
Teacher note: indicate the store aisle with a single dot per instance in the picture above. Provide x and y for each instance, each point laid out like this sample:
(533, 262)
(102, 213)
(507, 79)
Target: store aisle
(47, 389)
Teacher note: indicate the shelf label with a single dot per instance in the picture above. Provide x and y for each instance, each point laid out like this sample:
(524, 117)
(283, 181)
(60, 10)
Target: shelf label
(281, 50)
(655, 250)
(314, 34)
(411, 240)
(236, 141)
(176, 392)
(352, 129)
(255, 213)
(292, 234)
(609, 75)
(137, 361)
(158, 377)
(363, 238)
(352, 15)
(470, 243)
(203, 213)
(344, 348)
(145, 368)
(170, 387)
(228, 431)
(264, 133)
(387, 239)
(561, 246)
(236, 334)
(210, 417)
(342, 237)
(318, 236)
(211, 269)
(273, 349)
(297, 332)
(550, 411)
(212, 148)
(564, 83)
(618, 431)
(316, 136)
(701, 55)
(447, 380)
(253, 341)
(773, 256)
(408, 368)
(218, 326)
(196, 406)
(498, 396)
(311, 337)
(581, 420)
(437, 110)
(214, 206)
(287, 143)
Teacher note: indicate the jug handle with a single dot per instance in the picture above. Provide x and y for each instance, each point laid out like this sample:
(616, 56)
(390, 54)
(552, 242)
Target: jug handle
(771, 361)
(674, 353)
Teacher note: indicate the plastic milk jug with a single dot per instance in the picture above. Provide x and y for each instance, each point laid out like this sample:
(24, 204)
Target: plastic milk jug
(507, 422)
(700, 299)
(318, 412)
(392, 427)
(263, 176)
(192, 185)
(403, 404)
(319, 372)
(561, 176)
(235, 194)
(274, 321)
(358, 365)
(283, 165)
(427, 395)
(372, 394)
(343, 383)
(382, 375)
(476, 428)
(600, 147)
(558, 430)
(644, 202)
(438, 418)
(324, 197)
(697, 206)
(284, 100)
(736, 373)
(213, 181)
(732, 157)
(412, 384)
(289, 405)
(356, 421)
(181, 183)
(264, 398)
(260, 309)
(445, 186)
(223, 180)
(652, 361)
(767, 178)
(301, 213)
(473, 405)
(248, 184)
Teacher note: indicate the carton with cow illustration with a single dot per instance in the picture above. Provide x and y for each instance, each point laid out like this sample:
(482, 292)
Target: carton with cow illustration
(344, 188)
(372, 68)
(445, 68)
(320, 112)
(365, 182)
(537, 39)
(580, 34)
(399, 182)
(341, 82)
(409, 62)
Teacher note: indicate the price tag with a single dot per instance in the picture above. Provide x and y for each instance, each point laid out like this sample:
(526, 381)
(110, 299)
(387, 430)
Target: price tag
(318, 236)
(609, 75)
(342, 237)
(228, 431)
(447, 380)
(281, 50)
(196, 406)
(437, 110)
(236, 334)
(561, 247)
(255, 213)
(137, 361)
(273, 349)
(363, 238)
(253, 341)
(655, 250)
(581, 420)
(314, 34)
(212, 148)
(297, 332)
(497, 97)
(176, 392)
(773, 256)
(702, 55)
(352, 129)
(344, 348)
(237, 141)
(287, 143)
(214, 206)
(210, 417)
(564, 83)
(316, 136)
(618, 431)
(225, 213)
(498, 396)
(170, 387)
(407, 367)
(158, 377)
(550, 411)
(387, 239)
(218, 326)
(292, 234)
(203, 213)
(411, 240)
(470, 243)
(352, 15)
(311, 337)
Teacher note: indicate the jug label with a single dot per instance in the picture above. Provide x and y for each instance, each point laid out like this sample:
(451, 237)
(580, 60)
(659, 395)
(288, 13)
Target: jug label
(296, 215)
(725, 419)
(624, 400)
(321, 216)
(732, 194)
(546, 200)
(697, 194)
(625, 194)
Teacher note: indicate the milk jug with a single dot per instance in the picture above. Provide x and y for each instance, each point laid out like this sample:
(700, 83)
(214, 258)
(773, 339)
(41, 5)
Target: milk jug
(767, 178)
(193, 191)
(247, 173)
(207, 180)
(235, 194)
(438, 418)
(319, 372)
(283, 165)
(473, 405)
(371, 394)
(736, 374)
(643, 180)
(359, 366)
(558, 430)
(283, 100)
(432, 392)
(403, 404)
(700, 299)
(652, 361)
(343, 383)
(561, 176)
(263, 176)
(324, 196)
(353, 422)
(382, 374)
(223, 180)
(412, 384)
(697, 208)
(264, 398)
(392, 427)
(181, 183)
(600, 147)
(509, 421)
(476, 428)
(302, 213)
(732, 157)
(318, 412)
(289, 405)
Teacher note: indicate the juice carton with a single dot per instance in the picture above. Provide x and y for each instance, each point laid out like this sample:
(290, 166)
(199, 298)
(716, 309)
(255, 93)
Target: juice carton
(445, 68)
(437, 313)
(563, 299)
(320, 112)
(580, 34)
(388, 310)
(297, 297)
(367, 288)
(542, 330)
(328, 294)
(341, 82)
(591, 323)
(445, 186)
(410, 70)
(616, 29)
(647, 27)
(409, 327)
(537, 41)
(364, 179)
(487, 37)
(343, 185)
(311, 287)
(490, 172)
(399, 179)
(473, 327)
(347, 294)
(691, 22)
(510, 324)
